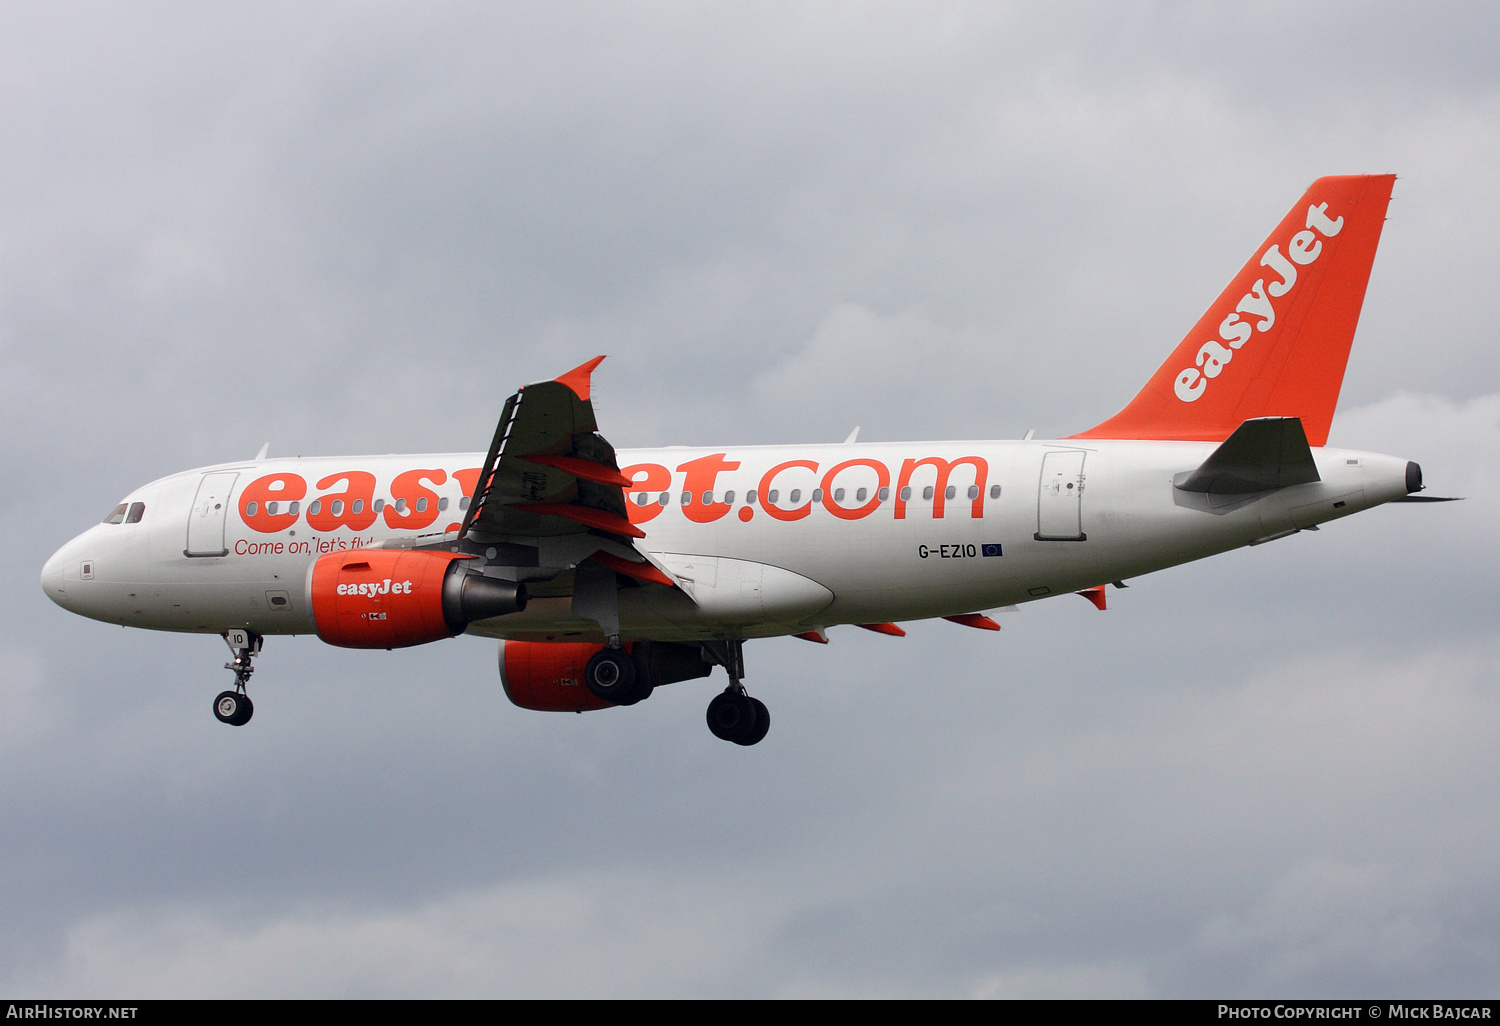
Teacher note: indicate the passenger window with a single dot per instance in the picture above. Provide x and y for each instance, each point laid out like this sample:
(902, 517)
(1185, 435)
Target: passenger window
(270, 508)
(750, 497)
(859, 496)
(359, 506)
(117, 515)
(994, 491)
(315, 507)
(421, 505)
(687, 498)
(950, 492)
(251, 507)
(838, 494)
(885, 493)
(338, 507)
(817, 495)
(973, 491)
(641, 498)
(906, 494)
(378, 505)
(796, 495)
(443, 504)
(708, 498)
(292, 509)
(927, 492)
(773, 495)
(663, 500)
(729, 498)
(463, 503)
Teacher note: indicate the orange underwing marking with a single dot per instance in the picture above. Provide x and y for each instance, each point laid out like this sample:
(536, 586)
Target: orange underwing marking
(586, 516)
(640, 571)
(586, 469)
(979, 620)
(1094, 595)
(578, 378)
(883, 628)
(817, 637)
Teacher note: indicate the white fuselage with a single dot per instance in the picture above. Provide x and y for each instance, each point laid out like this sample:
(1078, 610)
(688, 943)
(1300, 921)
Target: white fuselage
(1008, 522)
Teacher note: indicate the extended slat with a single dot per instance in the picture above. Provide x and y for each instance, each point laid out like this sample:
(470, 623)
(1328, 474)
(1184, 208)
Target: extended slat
(584, 515)
(642, 571)
(586, 469)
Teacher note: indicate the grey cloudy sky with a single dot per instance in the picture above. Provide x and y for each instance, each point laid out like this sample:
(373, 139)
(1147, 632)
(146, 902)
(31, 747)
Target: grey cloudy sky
(353, 228)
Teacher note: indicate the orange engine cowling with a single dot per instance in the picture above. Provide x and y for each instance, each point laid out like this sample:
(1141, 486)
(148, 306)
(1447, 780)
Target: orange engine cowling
(548, 675)
(391, 598)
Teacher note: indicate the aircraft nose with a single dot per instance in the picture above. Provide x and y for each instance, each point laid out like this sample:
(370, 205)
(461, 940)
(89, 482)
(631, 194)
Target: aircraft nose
(55, 576)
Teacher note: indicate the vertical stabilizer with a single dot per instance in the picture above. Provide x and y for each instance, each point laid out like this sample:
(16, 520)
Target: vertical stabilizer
(1276, 341)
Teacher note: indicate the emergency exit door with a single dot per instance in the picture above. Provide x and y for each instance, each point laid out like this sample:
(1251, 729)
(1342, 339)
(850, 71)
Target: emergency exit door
(1059, 501)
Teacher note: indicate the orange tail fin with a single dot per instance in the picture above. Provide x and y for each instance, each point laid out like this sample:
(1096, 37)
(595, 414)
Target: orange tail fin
(1276, 341)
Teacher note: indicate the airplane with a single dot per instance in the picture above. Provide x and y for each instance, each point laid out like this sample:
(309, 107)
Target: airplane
(606, 574)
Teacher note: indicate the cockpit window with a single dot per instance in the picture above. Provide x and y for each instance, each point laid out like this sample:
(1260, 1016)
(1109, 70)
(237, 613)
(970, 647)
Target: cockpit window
(137, 510)
(117, 515)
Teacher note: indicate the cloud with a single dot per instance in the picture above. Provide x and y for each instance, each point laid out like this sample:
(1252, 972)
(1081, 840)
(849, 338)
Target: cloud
(650, 937)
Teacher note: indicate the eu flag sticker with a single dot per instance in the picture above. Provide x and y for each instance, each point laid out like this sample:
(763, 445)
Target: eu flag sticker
(990, 550)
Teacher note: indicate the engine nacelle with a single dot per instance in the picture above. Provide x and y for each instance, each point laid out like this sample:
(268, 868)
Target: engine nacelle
(548, 675)
(395, 598)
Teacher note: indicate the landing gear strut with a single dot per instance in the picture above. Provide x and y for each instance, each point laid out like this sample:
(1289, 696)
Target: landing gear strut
(734, 715)
(234, 707)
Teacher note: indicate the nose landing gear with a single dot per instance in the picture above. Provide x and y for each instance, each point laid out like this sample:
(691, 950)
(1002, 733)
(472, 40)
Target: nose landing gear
(734, 715)
(234, 707)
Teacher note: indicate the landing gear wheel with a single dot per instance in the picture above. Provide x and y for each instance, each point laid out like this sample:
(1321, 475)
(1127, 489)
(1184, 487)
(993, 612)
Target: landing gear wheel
(233, 708)
(610, 675)
(735, 716)
(762, 723)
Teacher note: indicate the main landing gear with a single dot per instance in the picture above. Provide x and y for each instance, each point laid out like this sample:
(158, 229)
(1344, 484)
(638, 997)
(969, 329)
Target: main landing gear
(734, 715)
(625, 678)
(611, 674)
(234, 707)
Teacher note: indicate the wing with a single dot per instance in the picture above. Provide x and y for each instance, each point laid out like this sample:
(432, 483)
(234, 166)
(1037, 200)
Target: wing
(549, 473)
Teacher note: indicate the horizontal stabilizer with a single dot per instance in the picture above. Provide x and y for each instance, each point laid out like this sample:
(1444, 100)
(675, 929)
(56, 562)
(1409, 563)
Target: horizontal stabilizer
(1262, 455)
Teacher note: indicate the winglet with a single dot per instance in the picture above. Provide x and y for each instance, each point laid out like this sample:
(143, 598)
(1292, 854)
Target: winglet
(578, 378)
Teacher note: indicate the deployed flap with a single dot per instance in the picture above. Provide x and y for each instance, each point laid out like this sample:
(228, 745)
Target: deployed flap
(1262, 455)
(549, 471)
